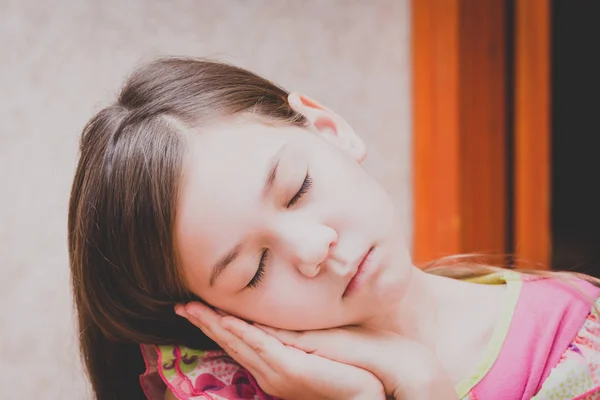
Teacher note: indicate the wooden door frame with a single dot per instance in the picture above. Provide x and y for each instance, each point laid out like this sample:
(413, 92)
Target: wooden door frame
(461, 160)
(532, 225)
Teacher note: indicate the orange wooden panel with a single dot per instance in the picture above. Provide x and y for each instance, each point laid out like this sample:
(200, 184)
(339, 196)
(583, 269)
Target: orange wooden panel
(436, 169)
(532, 131)
(459, 179)
(483, 125)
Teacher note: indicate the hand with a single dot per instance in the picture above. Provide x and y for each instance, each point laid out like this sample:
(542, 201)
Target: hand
(283, 371)
(408, 370)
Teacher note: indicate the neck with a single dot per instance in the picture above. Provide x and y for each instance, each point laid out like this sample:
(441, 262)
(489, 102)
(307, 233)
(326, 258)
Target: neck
(414, 316)
(433, 304)
(448, 316)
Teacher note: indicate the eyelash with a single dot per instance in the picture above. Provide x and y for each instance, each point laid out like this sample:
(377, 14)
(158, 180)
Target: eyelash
(262, 265)
(260, 273)
(303, 189)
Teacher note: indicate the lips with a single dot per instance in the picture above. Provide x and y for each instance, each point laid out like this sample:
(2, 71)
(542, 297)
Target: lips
(359, 271)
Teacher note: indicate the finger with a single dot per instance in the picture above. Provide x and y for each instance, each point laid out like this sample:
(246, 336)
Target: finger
(268, 347)
(297, 339)
(209, 322)
(325, 342)
(344, 345)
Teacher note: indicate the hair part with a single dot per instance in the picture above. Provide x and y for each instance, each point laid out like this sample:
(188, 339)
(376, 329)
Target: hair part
(124, 266)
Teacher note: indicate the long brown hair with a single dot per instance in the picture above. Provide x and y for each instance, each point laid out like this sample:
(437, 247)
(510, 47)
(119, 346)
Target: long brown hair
(125, 275)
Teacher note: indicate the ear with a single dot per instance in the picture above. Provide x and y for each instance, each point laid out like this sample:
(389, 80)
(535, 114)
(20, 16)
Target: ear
(331, 126)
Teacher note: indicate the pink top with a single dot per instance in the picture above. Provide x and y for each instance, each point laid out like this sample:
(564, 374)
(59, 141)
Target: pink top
(548, 315)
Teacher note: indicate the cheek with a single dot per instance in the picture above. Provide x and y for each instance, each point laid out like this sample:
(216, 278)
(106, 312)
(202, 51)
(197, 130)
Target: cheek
(360, 203)
(291, 305)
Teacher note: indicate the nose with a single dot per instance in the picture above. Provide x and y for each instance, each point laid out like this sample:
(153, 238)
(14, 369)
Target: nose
(307, 245)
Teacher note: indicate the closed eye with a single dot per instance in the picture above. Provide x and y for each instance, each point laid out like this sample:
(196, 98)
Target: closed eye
(303, 189)
(260, 272)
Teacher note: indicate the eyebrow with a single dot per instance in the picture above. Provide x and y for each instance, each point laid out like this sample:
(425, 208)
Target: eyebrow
(225, 261)
(271, 174)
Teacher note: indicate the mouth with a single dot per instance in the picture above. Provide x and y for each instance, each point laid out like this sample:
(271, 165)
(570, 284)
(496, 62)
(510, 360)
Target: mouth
(360, 270)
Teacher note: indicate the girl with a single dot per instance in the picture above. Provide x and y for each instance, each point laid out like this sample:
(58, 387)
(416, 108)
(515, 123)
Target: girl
(208, 197)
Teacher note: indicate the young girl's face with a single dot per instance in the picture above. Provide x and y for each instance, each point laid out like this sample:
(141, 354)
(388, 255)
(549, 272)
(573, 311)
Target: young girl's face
(273, 222)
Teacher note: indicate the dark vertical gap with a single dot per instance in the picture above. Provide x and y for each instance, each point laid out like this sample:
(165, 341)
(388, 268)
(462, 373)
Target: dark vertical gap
(510, 121)
(575, 176)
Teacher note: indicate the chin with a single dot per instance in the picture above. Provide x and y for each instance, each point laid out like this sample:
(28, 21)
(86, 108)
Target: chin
(389, 288)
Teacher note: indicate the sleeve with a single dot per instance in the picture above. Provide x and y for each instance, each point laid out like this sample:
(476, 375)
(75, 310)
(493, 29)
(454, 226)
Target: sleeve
(577, 374)
(193, 374)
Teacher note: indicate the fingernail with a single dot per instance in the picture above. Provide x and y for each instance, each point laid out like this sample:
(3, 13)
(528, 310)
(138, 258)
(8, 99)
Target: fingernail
(196, 312)
(181, 313)
(180, 310)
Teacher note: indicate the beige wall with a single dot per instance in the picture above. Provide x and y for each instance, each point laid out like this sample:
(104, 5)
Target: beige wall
(61, 60)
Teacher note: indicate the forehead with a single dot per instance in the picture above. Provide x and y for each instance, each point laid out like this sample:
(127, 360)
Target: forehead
(221, 188)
